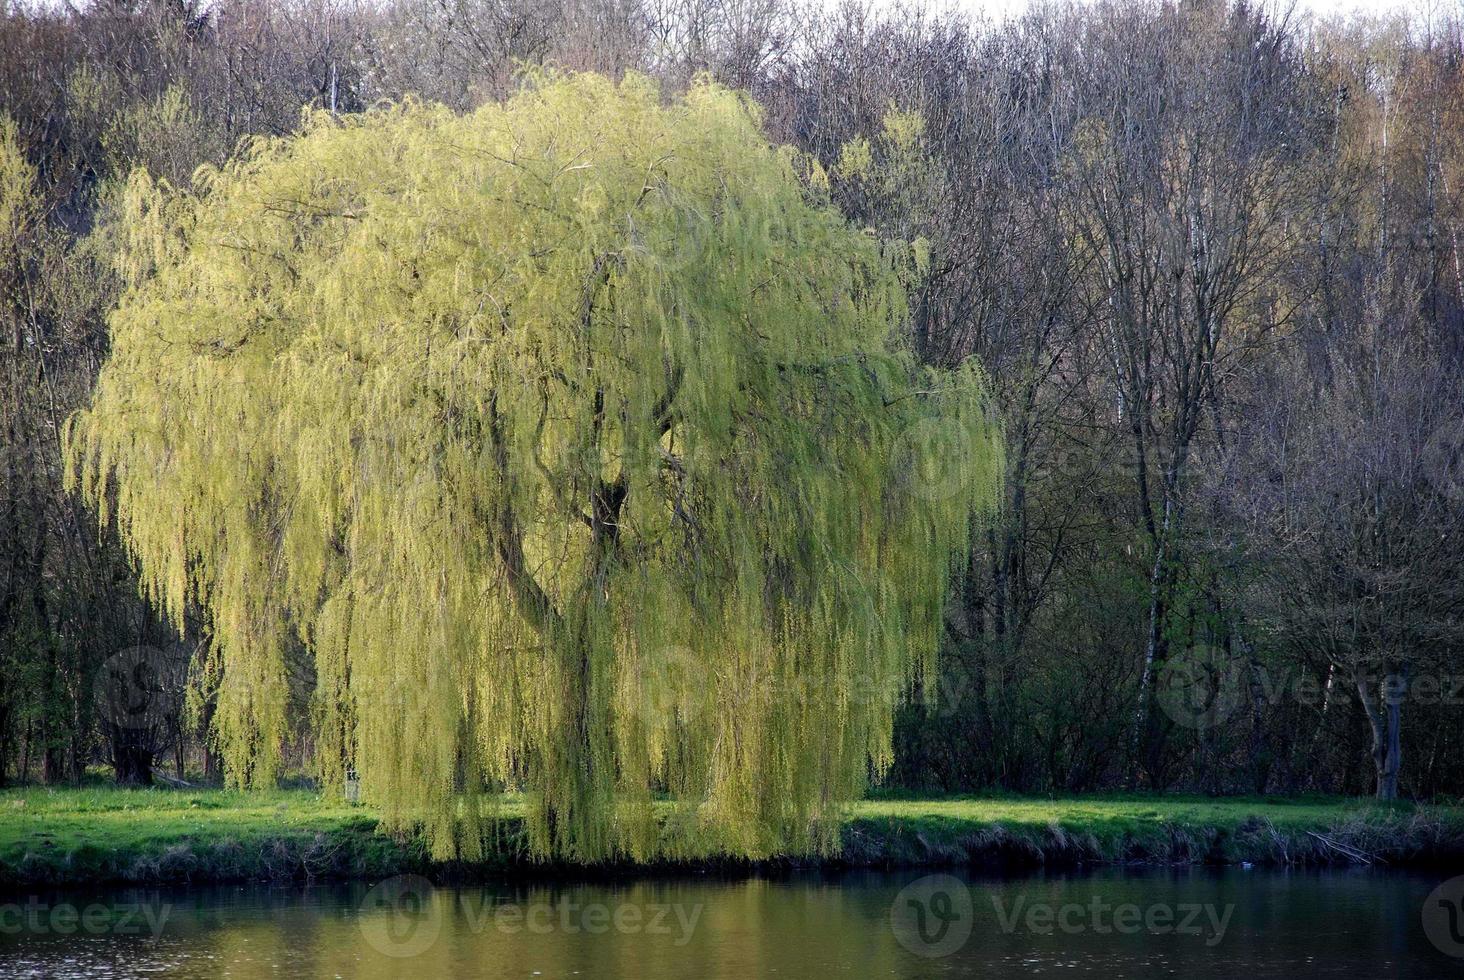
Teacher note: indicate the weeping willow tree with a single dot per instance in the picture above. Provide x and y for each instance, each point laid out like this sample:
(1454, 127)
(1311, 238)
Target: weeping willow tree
(576, 441)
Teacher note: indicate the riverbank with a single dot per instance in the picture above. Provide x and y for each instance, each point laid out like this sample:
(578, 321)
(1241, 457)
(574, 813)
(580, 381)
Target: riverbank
(111, 836)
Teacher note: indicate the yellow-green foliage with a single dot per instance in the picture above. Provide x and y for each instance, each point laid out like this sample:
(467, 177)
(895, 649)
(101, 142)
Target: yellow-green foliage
(17, 192)
(572, 437)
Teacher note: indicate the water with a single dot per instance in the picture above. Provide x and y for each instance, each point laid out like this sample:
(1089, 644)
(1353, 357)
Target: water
(1112, 923)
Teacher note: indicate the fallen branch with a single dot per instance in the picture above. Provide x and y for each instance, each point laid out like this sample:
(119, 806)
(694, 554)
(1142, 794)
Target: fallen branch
(1347, 850)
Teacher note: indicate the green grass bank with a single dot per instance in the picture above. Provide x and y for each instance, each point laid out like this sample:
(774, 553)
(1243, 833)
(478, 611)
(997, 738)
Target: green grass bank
(96, 836)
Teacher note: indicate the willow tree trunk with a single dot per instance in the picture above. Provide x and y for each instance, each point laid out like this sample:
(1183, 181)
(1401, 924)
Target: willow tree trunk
(132, 758)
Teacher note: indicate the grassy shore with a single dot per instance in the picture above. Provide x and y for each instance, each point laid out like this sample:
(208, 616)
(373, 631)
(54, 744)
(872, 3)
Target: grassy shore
(92, 836)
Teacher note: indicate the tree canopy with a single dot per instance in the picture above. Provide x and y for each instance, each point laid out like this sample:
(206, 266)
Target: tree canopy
(574, 442)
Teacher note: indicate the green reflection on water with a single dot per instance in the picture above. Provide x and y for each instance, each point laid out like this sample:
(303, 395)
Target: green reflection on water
(1191, 923)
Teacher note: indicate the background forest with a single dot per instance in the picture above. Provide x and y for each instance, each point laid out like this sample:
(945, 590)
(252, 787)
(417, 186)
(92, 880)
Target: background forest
(1208, 253)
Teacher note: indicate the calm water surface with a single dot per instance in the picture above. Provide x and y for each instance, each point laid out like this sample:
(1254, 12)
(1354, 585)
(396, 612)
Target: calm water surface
(1192, 923)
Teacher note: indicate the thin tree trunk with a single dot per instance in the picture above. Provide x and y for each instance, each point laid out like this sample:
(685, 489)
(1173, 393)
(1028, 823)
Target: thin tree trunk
(1143, 707)
(1314, 749)
(1386, 725)
(25, 749)
(1393, 754)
